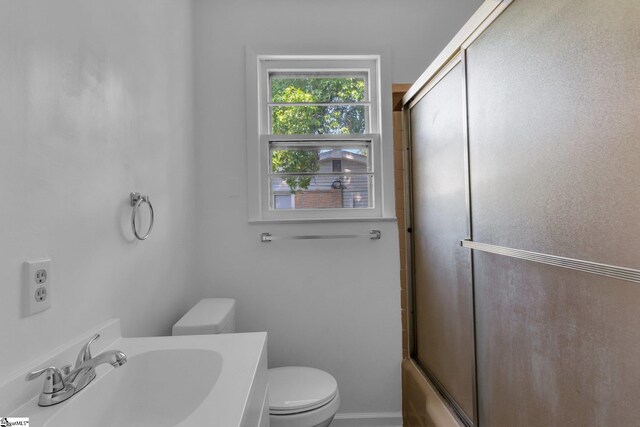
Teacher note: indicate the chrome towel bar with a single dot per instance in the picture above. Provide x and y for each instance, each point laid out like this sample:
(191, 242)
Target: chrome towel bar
(373, 235)
(615, 272)
(137, 200)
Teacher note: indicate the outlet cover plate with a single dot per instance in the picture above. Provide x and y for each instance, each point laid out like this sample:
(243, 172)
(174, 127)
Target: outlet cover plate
(37, 286)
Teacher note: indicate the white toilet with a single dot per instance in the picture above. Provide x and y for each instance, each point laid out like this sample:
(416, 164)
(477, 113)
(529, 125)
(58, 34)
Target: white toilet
(298, 396)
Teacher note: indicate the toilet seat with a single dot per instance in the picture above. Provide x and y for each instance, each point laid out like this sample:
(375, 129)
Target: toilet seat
(296, 389)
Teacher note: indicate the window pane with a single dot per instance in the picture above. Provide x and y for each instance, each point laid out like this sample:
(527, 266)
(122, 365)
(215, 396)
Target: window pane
(313, 88)
(325, 192)
(320, 159)
(283, 201)
(317, 119)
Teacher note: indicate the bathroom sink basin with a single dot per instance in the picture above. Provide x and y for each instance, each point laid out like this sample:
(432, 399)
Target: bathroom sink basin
(155, 388)
(186, 381)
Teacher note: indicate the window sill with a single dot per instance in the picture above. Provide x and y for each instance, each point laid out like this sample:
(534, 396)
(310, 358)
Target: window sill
(323, 220)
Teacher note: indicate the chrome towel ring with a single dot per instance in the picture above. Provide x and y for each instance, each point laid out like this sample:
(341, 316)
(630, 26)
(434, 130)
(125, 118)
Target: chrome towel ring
(137, 200)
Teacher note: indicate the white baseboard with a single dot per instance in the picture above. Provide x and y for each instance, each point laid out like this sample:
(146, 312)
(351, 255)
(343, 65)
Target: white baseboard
(368, 419)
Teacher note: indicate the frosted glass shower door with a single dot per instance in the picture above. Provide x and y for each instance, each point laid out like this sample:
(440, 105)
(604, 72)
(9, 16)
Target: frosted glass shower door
(442, 279)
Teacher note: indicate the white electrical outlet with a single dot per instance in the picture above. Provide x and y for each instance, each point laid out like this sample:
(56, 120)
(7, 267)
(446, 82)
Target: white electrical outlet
(37, 286)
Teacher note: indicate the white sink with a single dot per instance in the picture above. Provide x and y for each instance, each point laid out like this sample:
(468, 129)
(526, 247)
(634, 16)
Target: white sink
(197, 380)
(161, 387)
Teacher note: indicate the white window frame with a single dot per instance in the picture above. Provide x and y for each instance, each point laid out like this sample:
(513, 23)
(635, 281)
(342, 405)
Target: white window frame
(259, 67)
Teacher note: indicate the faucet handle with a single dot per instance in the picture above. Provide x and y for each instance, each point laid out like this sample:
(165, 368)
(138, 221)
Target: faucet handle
(53, 381)
(85, 352)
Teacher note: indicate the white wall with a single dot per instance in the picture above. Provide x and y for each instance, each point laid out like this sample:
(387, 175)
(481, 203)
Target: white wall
(96, 100)
(329, 304)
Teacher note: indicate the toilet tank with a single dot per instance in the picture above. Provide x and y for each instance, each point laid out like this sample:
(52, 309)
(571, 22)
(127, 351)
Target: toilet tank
(209, 316)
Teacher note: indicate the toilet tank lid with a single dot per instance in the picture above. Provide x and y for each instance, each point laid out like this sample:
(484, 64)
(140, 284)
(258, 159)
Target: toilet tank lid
(208, 312)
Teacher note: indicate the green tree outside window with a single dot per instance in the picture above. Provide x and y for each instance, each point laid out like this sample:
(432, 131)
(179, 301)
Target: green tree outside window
(313, 119)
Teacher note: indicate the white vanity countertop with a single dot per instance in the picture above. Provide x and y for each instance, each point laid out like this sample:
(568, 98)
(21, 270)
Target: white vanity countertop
(234, 393)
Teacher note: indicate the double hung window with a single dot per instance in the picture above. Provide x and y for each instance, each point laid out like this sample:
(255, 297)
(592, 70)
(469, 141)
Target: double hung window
(319, 137)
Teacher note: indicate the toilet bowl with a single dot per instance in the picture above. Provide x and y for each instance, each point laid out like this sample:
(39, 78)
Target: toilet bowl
(298, 396)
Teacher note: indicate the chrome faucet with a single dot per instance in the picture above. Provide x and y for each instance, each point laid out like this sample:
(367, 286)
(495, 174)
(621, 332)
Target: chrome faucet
(85, 352)
(61, 385)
